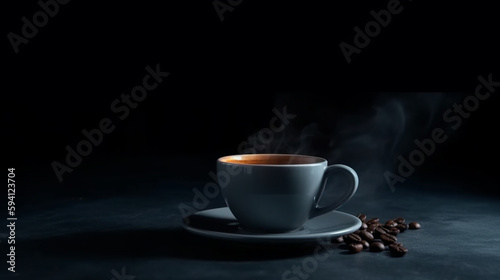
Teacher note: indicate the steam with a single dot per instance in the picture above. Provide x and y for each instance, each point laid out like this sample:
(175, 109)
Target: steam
(369, 141)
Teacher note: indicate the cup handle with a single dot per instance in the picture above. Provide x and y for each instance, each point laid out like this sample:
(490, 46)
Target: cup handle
(353, 186)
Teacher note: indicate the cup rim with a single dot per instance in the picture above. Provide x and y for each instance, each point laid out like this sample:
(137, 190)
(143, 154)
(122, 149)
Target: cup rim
(317, 160)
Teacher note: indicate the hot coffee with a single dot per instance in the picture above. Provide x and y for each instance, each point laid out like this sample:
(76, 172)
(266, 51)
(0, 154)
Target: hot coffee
(279, 192)
(275, 159)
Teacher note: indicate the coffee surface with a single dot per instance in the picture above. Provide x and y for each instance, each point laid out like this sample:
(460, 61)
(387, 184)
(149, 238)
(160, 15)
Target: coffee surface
(272, 160)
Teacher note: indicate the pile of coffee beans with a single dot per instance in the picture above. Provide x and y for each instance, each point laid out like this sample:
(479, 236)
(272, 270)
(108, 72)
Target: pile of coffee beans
(377, 237)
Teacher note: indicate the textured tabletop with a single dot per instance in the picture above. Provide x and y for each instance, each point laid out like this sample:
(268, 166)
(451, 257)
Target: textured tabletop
(140, 235)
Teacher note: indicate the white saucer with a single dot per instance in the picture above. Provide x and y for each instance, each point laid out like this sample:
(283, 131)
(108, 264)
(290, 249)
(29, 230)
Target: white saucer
(220, 223)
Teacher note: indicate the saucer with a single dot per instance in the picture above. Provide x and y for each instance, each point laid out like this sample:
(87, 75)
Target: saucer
(221, 224)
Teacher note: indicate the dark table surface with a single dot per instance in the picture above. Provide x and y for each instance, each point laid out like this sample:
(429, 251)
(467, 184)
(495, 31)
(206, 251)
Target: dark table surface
(127, 234)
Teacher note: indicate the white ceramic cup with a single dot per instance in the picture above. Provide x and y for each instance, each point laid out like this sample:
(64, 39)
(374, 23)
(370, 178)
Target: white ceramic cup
(279, 192)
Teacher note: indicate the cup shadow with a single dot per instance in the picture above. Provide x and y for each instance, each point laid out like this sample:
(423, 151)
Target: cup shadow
(159, 243)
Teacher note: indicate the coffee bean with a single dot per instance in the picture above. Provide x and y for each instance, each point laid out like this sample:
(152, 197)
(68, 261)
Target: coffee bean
(400, 220)
(376, 236)
(414, 225)
(379, 231)
(372, 221)
(352, 238)
(364, 243)
(339, 239)
(377, 246)
(397, 250)
(388, 239)
(365, 235)
(394, 231)
(402, 227)
(390, 224)
(362, 217)
(355, 248)
(372, 227)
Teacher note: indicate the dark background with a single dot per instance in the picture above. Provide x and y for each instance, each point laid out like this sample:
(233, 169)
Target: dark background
(119, 207)
(225, 79)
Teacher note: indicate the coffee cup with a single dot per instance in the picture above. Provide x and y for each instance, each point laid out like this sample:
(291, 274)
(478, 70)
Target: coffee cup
(280, 192)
